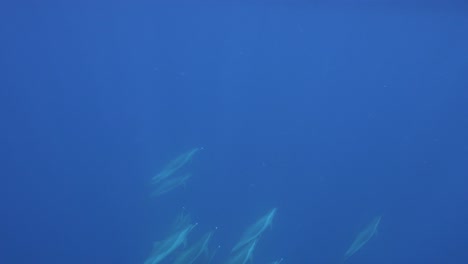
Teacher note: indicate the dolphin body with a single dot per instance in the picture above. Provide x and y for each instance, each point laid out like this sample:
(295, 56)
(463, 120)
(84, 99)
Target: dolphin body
(244, 254)
(165, 248)
(363, 237)
(175, 165)
(190, 255)
(256, 230)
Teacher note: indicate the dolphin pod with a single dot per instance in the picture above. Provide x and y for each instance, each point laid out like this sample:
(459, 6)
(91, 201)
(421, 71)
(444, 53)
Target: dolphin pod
(170, 250)
(177, 248)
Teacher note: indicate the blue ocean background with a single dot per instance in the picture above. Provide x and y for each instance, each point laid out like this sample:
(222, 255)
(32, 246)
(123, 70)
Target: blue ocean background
(333, 112)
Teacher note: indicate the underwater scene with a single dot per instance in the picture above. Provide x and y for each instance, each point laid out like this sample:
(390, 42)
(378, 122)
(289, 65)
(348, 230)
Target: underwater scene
(234, 132)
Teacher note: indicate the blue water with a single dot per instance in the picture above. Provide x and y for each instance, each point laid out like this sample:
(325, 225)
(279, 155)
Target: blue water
(334, 112)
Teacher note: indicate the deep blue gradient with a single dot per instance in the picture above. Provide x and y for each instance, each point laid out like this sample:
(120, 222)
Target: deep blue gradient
(332, 112)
